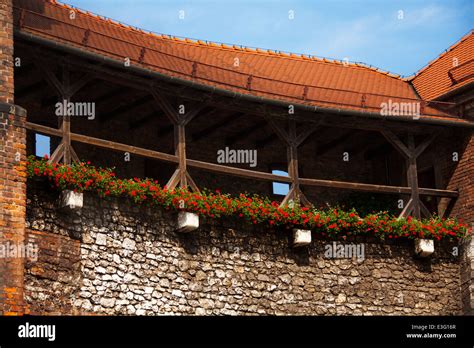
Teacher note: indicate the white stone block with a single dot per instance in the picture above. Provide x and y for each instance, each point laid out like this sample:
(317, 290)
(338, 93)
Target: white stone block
(71, 200)
(187, 222)
(301, 237)
(424, 247)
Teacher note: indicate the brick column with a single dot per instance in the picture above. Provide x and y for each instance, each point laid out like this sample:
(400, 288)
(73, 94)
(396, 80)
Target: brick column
(12, 174)
(6, 51)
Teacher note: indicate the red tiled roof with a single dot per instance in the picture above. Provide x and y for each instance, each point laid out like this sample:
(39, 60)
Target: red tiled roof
(451, 70)
(292, 78)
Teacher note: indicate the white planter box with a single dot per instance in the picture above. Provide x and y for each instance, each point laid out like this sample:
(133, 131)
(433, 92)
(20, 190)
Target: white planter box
(424, 247)
(187, 222)
(71, 200)
(301, 237)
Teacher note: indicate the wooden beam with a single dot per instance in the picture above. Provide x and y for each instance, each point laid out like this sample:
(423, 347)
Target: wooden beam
(280, 132)
(194, 112)
(215, 127)
(166, 106)
(245, 173)
(324, 148)
(422, 147)
(245, 133)
(50, 77)
(310, 129)
(124, 108)
(265, 141)
(77, 85)
(396, 142)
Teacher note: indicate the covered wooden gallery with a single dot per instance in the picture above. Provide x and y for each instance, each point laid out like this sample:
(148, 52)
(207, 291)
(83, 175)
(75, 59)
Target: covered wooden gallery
(161, 107)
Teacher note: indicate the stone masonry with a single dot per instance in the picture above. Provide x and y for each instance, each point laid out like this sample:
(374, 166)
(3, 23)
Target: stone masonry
(117, 258)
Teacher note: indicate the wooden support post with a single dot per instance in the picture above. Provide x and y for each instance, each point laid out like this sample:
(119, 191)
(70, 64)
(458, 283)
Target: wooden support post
(180, 152)
(412, 177)
(65, 90)
(66, 119)
(180, 176)
(292, 141)
(411, 152)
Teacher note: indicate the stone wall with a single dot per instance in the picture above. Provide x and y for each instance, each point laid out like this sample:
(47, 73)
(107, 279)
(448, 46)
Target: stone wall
(117, 258)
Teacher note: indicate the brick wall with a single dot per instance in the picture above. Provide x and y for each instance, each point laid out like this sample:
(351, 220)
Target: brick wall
(12, 174)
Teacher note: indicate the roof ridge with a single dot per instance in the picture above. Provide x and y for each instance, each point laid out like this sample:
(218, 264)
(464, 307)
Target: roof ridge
(236, 47)
(441, 55)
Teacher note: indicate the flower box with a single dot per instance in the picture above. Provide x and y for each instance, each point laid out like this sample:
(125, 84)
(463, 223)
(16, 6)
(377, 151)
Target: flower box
(187, 222)
(424, 247)
(301, 237)
(71, 200)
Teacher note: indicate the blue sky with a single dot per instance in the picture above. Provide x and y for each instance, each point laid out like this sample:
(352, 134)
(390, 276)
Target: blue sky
(368, 31)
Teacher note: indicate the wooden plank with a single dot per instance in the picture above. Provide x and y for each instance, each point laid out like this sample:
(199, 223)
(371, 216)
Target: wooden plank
(43, 129)
(123, 147)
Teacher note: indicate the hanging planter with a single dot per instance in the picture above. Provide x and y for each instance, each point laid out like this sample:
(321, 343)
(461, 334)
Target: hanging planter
(187, 222)
(424, 247)
(301, 237)
(71, 200)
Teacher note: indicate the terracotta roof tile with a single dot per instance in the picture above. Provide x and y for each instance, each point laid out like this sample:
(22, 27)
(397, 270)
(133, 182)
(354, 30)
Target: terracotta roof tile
(275, 75)
(434, 80)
